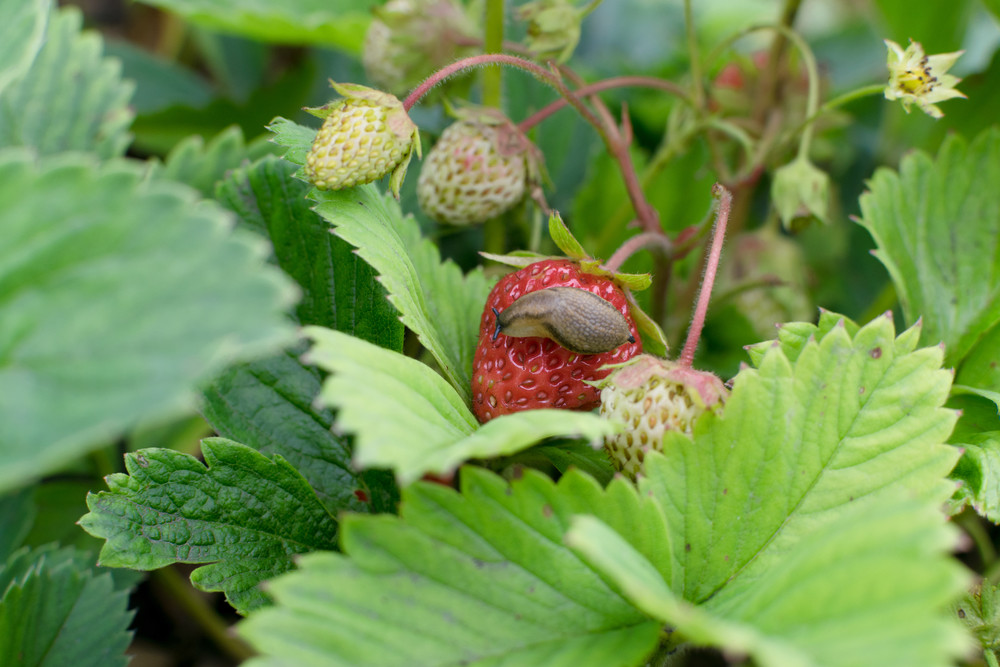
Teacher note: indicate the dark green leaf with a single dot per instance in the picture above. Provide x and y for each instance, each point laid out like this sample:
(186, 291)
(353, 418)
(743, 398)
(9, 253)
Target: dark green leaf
(246, 514)
(159, 83)
(17, 514)
(202, 166)
(58, 612)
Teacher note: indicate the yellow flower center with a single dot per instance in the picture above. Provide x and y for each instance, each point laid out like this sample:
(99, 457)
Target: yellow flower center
(918, 80)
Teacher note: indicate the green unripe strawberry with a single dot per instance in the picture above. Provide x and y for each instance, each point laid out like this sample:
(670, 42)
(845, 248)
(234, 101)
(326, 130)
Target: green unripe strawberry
(651, 396)
(478, 169)
(364, 136)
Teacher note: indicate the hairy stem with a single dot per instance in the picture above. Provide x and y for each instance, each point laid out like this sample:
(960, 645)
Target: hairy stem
(600, 86)
(708, 280)
(635, 244)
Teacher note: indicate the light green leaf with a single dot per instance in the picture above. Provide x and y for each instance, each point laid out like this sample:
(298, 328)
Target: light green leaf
(58, 612)
(979, 611)
(202, 166)
(71, 98)
(434, 299)
(481, 578)
(805, 450)
(851, 419)
(117, 295)
(296, 139)
(22, 27)
(246, 514)
(933, 223)
(406, 417)
(793, 336)
(865, 589)
(338, 23)
(979, 472)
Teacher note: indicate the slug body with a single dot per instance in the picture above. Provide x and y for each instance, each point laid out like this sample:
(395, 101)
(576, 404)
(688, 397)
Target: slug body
(576, 319)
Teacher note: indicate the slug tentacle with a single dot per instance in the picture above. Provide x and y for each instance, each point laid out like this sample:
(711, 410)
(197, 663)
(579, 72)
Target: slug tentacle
(576, 319)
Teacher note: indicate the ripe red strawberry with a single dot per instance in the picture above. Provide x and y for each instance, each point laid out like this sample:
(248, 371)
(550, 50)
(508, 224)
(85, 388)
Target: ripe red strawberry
(513, 374)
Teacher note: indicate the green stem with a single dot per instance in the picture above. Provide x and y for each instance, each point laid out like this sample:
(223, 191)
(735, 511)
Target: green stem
(991, 657)
(973, 525)
(493, 43)
(697, 92)
(178, 588)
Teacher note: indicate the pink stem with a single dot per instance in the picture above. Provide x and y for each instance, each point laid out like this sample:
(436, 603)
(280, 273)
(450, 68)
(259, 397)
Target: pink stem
(600, 86)
(471, 62)
(701, 308)
(636, 243)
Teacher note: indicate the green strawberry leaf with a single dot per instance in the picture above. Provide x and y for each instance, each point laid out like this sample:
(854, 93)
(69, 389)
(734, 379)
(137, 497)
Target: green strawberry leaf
(296, 139)
(406, 417)
(477, 578)
(17, 514)
(117, 296)
(979, 612)
(160, 83)
(57, 611)
(337, 23)
(567, 455)
(22, 29)
(244, 513)
(434, 299)
(268, 404)
(793, 336)
(863, 416)
(339, 289)
(70, 98)
(203, 166)
(935, 223)
(805, 448)
(654, 341)
(979, 473)
(840, 597)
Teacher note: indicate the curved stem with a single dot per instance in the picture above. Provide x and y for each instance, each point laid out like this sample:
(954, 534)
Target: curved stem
(600, 86)
(635, 244)
(708, 279)
(484, 60)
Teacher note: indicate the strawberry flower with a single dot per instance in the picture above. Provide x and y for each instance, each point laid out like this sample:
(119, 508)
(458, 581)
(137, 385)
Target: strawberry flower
(917, 77)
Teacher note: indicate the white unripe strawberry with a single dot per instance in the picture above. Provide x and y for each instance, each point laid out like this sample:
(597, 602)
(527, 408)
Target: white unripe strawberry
(478, 169)
(651, 396)
(364, 136)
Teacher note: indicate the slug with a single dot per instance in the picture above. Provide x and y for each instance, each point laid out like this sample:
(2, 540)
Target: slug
(575, 318)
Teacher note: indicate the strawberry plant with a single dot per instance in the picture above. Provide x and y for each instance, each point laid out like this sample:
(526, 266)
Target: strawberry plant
(572, 333)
